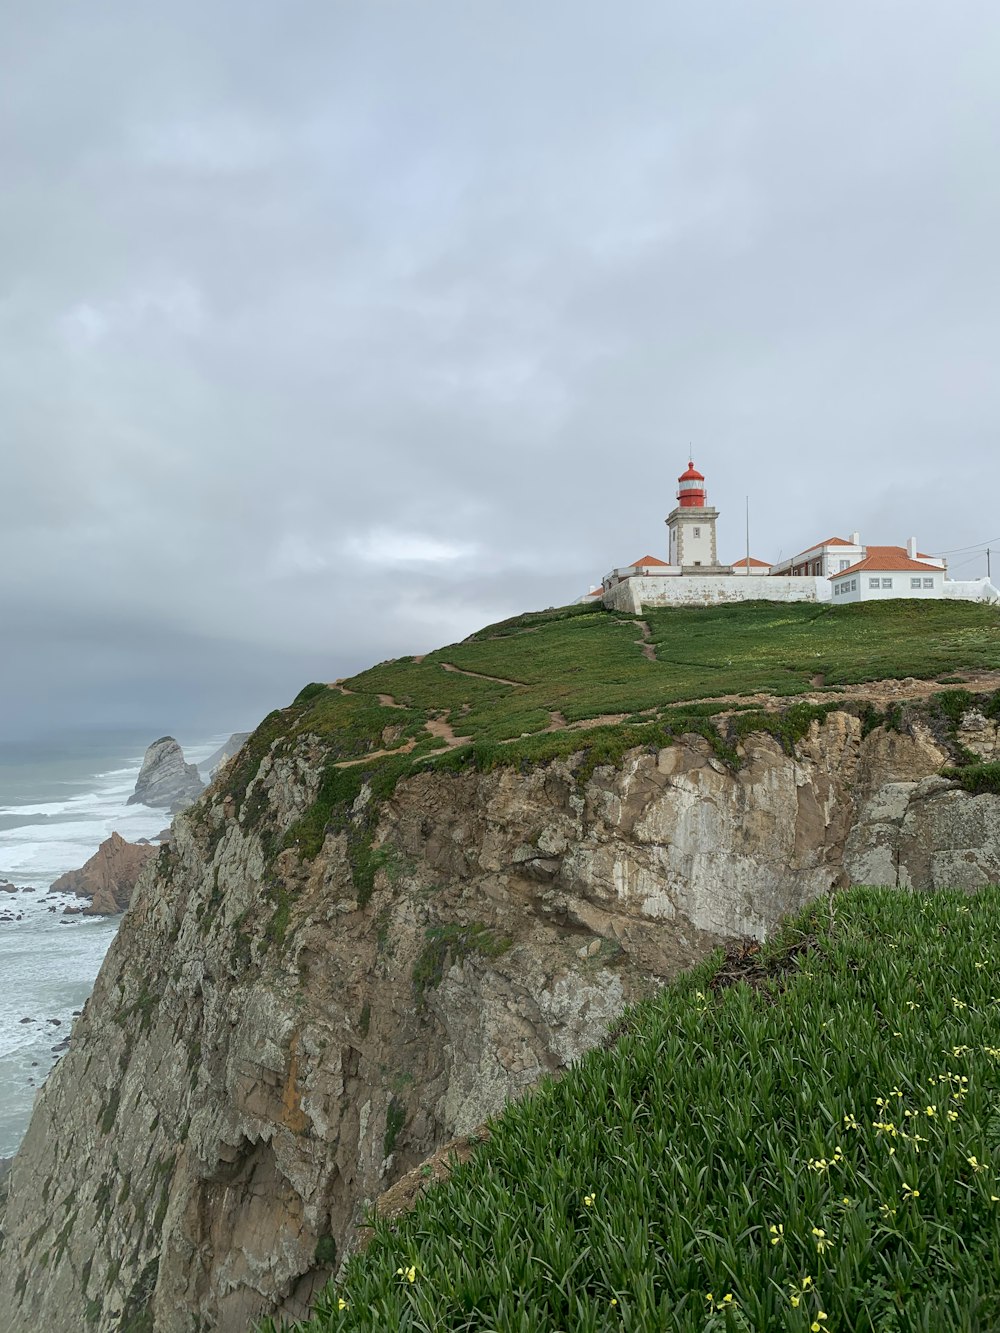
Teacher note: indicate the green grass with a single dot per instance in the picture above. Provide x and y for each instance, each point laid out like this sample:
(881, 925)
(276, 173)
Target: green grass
(585, 663)
(820, 1137)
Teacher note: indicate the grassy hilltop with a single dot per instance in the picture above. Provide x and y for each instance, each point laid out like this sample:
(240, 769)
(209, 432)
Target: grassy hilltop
(802, 1137)
(582, 679)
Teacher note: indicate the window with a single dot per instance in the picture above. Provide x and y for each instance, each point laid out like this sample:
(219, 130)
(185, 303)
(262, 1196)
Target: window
(854, 585)
(696, 532)
(929, 583)
(844, 564)
(914, 583)
(887, 583)
(837, 589)
(873, 583)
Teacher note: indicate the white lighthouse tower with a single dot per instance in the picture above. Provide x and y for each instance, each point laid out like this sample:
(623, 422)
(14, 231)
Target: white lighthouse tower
(691, 526)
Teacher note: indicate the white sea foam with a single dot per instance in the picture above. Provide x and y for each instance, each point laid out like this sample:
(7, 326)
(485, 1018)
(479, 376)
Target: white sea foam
(48, 960)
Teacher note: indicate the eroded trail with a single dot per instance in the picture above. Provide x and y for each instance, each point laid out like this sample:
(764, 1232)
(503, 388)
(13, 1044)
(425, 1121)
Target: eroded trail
(645, 643)
(875, 691)
(442, 728)
(481, 675)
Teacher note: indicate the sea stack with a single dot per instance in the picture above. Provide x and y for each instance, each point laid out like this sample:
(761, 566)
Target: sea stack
(165, 781)
(109, 877)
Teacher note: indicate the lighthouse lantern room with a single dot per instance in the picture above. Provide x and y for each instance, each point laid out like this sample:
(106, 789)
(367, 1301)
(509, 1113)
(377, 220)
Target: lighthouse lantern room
(691, 526)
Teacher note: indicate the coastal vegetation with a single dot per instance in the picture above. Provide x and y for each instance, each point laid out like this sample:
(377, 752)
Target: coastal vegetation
(800, 1136)
(582, 680)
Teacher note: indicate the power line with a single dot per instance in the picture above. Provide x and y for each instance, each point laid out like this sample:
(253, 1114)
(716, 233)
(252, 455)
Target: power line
(969, 560)
(976, 546)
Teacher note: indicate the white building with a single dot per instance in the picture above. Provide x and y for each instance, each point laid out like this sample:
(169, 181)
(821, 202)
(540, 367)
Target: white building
(835, 570)
(825, 558)
(888, 571)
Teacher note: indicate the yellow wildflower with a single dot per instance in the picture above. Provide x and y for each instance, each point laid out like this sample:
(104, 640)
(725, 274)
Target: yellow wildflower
(850, 1122)
(959, 1050)
(976, 1164)
(341, 1303)
(820, 1236)
(814, 1327)
(909, 1192)
(409, 1273)
(777, 1234)
(952, 1115)
(958, 1004)
(930, 1110)
(588, 1200)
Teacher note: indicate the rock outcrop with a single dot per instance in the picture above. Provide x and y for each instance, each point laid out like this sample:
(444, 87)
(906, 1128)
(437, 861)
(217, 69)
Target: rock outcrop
(165, 781)
(273, 1042)
(224, 753)
(109, 877)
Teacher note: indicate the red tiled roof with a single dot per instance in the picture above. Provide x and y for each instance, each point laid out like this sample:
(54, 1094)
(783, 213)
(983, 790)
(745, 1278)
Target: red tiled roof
(816, 546)
(891, 559)
(761, 564)
(649, 560)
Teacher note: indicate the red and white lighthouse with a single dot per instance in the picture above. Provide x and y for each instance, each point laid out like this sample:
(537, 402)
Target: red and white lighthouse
(691, 488)
(691, 526)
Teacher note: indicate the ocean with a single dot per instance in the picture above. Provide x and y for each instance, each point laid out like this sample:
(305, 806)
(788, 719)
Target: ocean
(59, 799)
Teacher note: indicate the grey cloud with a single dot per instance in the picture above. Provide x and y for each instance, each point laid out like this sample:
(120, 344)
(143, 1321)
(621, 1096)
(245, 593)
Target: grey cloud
(330, 332)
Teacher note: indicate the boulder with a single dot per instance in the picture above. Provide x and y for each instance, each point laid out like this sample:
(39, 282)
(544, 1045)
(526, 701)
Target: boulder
(165, 781)
(108, 878)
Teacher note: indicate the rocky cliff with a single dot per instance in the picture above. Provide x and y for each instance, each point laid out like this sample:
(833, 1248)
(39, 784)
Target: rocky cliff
(165, 780)
(273, 1041)
(109, 877)
(225, 752)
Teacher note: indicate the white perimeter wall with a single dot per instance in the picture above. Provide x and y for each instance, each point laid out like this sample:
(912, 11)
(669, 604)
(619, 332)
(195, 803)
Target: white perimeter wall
(711, 589)
(970, 590)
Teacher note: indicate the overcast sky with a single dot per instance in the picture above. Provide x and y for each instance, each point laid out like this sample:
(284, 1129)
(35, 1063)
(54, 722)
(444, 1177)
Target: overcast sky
(332, 331)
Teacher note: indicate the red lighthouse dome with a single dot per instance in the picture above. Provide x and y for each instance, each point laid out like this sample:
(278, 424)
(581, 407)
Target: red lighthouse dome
(691, 488)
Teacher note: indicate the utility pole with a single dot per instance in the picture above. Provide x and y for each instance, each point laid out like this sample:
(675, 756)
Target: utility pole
(748, 537)
(988, 574)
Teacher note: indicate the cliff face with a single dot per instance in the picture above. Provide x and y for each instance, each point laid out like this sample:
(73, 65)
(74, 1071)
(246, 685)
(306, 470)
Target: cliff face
(264, 1053)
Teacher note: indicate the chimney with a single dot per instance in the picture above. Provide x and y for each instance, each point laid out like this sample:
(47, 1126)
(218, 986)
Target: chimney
(911, 547)
(855, 538)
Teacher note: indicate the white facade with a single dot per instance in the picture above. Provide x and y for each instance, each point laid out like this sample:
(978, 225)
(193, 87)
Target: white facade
(881, 585)
(823, 559)
(691, 537)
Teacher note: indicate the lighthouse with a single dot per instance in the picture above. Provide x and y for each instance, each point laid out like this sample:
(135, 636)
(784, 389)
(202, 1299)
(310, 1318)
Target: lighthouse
(691, 526)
